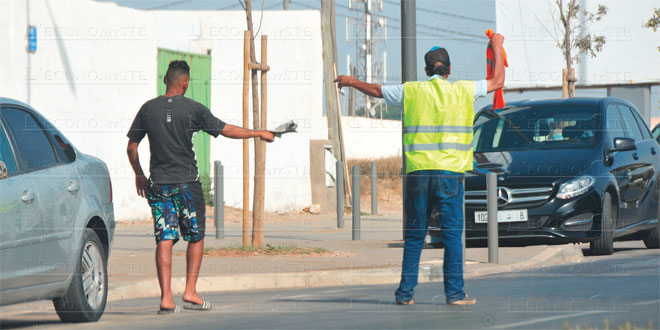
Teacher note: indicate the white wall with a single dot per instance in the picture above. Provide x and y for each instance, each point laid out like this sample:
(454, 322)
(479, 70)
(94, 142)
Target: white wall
(96, 65)
(629, 55)
(366, 138)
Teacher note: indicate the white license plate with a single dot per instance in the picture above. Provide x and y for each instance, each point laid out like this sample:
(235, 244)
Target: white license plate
(502, 216)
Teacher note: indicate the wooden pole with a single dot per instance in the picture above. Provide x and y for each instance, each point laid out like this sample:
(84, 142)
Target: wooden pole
(564, 84)
(329, 45)
(340, 132)
(260, 159)
(246, 151)
(571, 77)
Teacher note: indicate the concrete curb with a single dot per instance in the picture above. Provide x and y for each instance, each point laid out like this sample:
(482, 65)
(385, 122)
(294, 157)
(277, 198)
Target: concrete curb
(429, 272)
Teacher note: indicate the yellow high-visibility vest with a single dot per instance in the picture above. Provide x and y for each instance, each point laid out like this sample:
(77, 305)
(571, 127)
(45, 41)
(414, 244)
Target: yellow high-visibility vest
(437, 125)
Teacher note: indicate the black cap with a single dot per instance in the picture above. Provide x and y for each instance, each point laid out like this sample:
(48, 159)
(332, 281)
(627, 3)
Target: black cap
(436, 54)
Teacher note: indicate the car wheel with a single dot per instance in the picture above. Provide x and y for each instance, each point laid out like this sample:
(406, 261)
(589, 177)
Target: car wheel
(86, 296)
(652, 238)
(605, 244)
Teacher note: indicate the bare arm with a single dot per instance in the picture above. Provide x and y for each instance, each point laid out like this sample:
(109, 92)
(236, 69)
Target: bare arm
(497, 81)
(373, 90)
(236, 132)
(134, 159)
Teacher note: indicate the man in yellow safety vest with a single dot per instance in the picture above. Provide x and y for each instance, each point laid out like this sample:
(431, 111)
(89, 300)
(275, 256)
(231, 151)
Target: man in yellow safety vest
(437, 144)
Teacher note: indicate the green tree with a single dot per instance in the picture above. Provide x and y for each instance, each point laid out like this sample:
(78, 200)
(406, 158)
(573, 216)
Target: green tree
(571, 34)
(654, 22)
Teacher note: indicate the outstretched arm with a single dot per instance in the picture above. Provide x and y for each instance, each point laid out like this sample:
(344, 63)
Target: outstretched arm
(236, 132)
(134, 159)
(497, 81)
(366, 88)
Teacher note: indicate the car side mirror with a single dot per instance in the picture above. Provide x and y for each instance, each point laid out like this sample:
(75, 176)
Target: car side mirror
(4, 173)
(624, 144)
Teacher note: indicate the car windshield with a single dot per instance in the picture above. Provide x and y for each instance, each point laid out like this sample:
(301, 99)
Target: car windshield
(528, 128)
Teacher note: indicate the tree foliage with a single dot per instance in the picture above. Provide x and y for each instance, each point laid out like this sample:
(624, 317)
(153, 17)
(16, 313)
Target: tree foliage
(571, 32)
(654, 22)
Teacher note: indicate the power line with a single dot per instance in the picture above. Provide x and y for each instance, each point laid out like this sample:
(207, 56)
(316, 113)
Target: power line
(170, 4)
(479, 37)
(444, 13)
(466, 36)
(230, 6)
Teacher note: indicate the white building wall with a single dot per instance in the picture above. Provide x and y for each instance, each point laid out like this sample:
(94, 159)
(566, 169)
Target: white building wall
(366, 138)
(96, 65)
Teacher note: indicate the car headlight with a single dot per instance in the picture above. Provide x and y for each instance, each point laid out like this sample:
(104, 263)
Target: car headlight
(575, 187)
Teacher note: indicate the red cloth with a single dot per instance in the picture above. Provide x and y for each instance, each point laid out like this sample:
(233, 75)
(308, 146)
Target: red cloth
(498, 96)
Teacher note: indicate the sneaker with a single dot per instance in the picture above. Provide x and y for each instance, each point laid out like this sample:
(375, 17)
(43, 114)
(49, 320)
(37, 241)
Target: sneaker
(409, 302)
(467, 300)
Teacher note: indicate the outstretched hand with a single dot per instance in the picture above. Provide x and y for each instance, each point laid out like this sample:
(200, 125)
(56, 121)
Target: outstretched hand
(344, 81)
(267, 136)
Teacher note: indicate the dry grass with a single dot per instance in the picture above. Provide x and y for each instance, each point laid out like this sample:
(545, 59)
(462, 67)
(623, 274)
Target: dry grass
(389, 183)
(278, 250)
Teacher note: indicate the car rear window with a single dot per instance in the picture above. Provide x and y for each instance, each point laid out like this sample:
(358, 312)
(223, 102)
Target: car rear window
(33, 145)
(6, 154)
(529, 128)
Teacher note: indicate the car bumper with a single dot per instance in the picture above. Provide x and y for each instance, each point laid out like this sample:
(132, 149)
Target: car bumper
(109, 216)
(554, 221)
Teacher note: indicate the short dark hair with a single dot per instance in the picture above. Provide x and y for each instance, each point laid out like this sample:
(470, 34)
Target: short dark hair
(175, 70)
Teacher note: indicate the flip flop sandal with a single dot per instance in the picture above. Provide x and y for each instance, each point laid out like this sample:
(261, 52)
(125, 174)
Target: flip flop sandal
(166, 311)
(204, 306)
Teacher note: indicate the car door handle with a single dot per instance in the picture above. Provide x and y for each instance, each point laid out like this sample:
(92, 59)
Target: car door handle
(635, 156)
(27, 197)
(652, 151)
(73, 187)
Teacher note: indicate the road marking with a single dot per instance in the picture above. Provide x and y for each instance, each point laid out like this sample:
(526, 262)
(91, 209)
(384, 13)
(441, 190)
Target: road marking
(544, 319)
(646, 302)
(325, 292)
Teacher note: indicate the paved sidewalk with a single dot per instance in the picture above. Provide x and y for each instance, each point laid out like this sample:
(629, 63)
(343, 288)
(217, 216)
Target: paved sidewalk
(376, 259)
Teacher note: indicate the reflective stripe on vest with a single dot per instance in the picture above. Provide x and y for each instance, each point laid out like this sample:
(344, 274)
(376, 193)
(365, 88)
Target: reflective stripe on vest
(437, 125)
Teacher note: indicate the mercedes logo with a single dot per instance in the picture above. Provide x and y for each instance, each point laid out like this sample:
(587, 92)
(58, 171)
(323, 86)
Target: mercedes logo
(503, 195)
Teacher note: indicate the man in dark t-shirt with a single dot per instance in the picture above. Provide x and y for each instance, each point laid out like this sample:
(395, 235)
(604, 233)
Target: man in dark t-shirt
(173, 188)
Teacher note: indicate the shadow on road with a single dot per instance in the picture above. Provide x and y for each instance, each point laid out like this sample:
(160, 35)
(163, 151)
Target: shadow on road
(25, 323)
(587, 252)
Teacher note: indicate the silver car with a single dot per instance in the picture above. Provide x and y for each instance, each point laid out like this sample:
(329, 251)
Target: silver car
(56, 217)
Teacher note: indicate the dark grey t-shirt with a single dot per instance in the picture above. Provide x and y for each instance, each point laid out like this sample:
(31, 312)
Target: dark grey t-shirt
(171, 124)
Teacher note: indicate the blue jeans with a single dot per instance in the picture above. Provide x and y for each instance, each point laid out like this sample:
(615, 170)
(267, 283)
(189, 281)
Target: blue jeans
(426, 190)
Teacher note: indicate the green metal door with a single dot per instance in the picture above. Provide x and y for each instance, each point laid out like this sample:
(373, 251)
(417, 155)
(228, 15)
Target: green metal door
(199, 90)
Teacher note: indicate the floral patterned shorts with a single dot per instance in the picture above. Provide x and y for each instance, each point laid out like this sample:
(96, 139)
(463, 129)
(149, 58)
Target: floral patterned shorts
(178, 210)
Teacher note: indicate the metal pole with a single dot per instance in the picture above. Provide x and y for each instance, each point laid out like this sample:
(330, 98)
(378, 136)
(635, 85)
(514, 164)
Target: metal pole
(355, 173)
(339, 185)
(491, 187)
(219, 200)
(374, 189)
(408, 70)
(463, 234)
(408, 40)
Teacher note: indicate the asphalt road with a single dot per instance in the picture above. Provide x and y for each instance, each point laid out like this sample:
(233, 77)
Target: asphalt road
(615, 289)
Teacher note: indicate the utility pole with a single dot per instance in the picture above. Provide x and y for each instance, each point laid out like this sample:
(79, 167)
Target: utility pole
(368, 30)
(408, 68)
(285, 4)
(329, 62)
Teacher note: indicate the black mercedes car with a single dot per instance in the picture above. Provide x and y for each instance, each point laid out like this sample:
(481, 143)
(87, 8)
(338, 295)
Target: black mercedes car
(569, 170)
